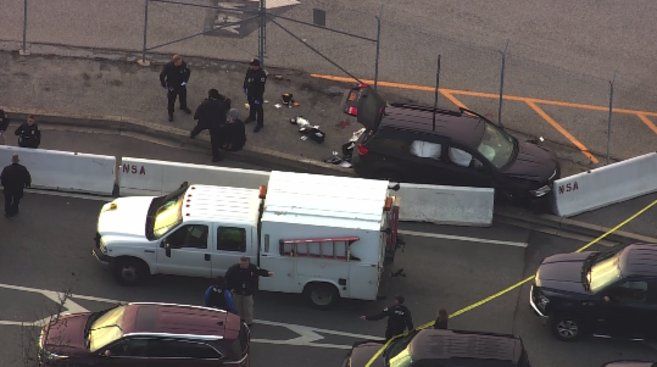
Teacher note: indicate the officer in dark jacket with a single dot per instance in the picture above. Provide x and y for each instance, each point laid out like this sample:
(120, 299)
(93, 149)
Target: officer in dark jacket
(211, 114)
(399, 318)
(174, 78)
(242, 278)
(254, 88)
(14, 179)
(28, 133)
(4, 124)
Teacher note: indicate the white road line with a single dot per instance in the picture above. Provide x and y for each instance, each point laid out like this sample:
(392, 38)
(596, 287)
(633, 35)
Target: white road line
(308, 336)
(461, 238)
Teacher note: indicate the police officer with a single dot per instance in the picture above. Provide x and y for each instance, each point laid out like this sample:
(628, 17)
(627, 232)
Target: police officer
(29, 135)
(14, 179)
(174, 78)
(399, 318)
(242, 278)
(4, 124)
(211, 114)
(254, 88)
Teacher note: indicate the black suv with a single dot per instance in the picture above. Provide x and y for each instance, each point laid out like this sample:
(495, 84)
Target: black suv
(607, 294)
(409, 143)
(435, 347)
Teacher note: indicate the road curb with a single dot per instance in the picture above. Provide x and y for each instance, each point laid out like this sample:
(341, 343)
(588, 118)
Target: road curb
(250, 154)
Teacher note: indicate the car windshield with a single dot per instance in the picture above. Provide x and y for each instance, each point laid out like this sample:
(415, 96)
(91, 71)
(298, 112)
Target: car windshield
(496, 145)
(603, 273)
(168, 215)
(398, 353)
(105, 329)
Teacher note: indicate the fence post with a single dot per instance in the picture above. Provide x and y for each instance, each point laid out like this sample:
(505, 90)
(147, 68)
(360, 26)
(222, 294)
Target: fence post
(611, 101)
(378, 47)
(501, 101)
(144, 61)
(24, 51)
(262, 33)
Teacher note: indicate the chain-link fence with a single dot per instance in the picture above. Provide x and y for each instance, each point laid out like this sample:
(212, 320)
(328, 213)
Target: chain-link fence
(565, 98)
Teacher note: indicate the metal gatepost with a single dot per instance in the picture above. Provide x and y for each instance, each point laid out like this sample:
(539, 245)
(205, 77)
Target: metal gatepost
(24, 51)
(262, 35)
(502, 67)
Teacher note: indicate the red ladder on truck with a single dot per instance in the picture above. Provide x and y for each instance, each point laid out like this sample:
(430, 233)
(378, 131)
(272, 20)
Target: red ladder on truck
(338, 248)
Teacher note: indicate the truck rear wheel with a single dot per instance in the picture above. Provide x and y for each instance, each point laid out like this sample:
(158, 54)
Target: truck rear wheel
(129, 271)
(321, 295)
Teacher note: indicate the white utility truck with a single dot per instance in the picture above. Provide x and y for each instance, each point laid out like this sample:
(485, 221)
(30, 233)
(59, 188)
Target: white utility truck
(323, 236)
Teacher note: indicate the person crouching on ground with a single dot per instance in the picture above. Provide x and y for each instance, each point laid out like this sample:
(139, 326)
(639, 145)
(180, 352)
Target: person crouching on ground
(234, 132)
(218, 296)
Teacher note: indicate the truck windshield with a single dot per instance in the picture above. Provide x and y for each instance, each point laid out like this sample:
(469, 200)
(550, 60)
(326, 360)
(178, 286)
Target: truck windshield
(496, 145)
(603, 274)
(105, 329)
(168, 215)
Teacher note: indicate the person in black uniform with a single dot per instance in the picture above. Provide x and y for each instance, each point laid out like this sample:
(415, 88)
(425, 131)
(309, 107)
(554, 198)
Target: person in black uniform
(211, 114)
(174, 78)
(399, 318)
(4, 124)
(14, 179)
(254, 88)
(234, 132)
(242, 279)
(29, 135)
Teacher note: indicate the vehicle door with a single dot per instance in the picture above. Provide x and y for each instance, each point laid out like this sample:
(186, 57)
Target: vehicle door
(185, 251)
(627, 311)
(387, 157)
(426, 160)
(158, 352)
(465, 167)
(231, 243)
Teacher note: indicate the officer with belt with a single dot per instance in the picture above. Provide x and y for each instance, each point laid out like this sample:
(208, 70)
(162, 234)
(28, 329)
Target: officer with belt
(174, 78)
(399, 318)
(254, 88)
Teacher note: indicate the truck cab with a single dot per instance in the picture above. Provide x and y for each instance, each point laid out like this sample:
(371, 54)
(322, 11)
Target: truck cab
(198, 230)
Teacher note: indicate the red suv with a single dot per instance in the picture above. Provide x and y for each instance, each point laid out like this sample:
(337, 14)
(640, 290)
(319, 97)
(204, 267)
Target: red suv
(146, 334)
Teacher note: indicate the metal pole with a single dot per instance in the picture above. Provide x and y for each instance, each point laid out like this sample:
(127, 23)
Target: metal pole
(262, 32)
(503, 66)
(435, 95)
(378, 47)
(143, 60)
(611, 101)
(23, 50)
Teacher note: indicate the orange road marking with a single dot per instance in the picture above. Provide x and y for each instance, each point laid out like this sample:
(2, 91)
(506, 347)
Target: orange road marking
(563, 131)
(452, 99)
(419, 87)
(648, 123)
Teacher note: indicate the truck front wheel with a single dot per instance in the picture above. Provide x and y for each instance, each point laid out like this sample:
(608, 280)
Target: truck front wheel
(321, 295)
(130, 271)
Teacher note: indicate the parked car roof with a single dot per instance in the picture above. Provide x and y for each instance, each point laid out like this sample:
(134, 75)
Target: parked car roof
(231, 204)
(639, 260)
(179, 320)
(446, 344)
(320, 200)
(461, 128)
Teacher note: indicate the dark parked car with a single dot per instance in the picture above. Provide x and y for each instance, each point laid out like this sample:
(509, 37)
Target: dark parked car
(445, 348)
(403, 142)
(146, 334)
(607, 294)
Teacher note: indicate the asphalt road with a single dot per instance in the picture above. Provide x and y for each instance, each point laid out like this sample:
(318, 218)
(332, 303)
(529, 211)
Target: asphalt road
(47, 248)
(566, 51)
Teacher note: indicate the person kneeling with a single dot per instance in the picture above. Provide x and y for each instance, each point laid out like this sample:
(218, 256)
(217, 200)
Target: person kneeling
(234, 132)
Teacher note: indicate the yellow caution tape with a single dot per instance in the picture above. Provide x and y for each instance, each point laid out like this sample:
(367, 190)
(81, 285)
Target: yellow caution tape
(512, 287)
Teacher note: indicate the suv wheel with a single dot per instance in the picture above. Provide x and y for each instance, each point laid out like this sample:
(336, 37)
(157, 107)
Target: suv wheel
(566, 328)
(130, 271)
(321, 295)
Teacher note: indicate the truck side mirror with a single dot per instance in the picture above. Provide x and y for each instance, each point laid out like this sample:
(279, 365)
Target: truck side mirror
(167, 247)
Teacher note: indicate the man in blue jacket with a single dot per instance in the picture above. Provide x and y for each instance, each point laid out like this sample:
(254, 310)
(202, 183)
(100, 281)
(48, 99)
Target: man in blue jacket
(218, 296)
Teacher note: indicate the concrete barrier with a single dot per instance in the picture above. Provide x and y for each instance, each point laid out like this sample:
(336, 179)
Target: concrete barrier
(150, 177)
(455, 205)
(65, 171)
(605, 185)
